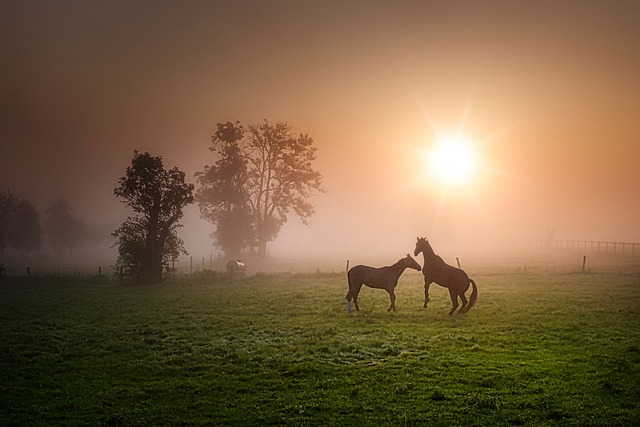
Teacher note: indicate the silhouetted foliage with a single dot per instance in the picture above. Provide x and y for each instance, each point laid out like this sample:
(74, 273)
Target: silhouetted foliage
(131, 240)
(159, 196)
(9, 202)
(261, 174)
(222, 198)
(64, 230)
(26, 233)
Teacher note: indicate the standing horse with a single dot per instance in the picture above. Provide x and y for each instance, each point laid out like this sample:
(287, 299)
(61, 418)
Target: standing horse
(381, 278)
(455, 279)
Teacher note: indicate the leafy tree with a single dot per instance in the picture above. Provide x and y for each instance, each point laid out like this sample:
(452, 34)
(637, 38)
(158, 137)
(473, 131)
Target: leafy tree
(222, 198)
(63, 228)
(26, 234)
(159, 196)
(131, 238)
(9, 203)
(281, 178)
(261, 174)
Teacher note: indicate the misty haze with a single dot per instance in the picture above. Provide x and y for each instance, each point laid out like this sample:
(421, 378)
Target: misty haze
(550, 114)
(308, 146)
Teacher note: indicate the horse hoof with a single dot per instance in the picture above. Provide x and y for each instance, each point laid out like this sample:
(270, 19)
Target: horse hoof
(424, 306)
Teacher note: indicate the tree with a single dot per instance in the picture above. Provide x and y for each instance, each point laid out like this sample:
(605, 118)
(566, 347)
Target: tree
(131, 238)
(26, 234)
(9, 203)
(270, 173)
(222, 198)
(281, 178)
(159, 196)
(63, 228)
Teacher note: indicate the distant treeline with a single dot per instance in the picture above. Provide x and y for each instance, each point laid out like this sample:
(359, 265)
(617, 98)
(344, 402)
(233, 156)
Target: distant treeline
(22, 231)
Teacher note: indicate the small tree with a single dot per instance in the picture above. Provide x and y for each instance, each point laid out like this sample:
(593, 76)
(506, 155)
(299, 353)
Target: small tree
(26, 234)
(9, 203)
(64, 230)
(159, 196)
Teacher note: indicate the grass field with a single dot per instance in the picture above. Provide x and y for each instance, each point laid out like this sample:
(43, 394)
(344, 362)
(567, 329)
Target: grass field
(541, 347)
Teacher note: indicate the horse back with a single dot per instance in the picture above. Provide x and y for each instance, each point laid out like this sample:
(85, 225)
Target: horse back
(446, 275)
(374, 277)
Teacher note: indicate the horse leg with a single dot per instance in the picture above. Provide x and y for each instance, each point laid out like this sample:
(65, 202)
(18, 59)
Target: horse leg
(427, 283)
(355, 293)
(392, 296)
(463, 309)
(454, 301)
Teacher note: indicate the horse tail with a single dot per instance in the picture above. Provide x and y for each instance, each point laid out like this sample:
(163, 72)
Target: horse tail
(349, 296)
(474, 296)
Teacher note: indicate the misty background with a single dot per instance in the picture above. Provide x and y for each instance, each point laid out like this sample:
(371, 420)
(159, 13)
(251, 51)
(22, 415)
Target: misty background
(548, 92)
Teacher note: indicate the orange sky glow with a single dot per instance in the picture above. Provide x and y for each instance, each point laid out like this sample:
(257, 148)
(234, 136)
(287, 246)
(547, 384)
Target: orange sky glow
(546, 93)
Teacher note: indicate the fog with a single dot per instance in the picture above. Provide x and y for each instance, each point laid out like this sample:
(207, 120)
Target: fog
(547, 93)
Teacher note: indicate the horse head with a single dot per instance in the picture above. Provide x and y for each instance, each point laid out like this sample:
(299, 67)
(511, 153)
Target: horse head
(411, 263)
(421, 245)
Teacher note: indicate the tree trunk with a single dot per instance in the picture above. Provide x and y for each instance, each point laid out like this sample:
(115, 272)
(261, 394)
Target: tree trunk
(262, 247)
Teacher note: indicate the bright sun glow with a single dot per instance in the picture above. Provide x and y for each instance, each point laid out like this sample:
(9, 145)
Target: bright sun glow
(452, 161)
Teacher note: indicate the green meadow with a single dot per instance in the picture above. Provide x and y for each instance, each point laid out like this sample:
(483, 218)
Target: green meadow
(543, 346)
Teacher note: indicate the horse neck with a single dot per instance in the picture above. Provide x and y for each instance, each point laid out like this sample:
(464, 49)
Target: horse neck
(399, 267)
(424, 257)
(429, 257)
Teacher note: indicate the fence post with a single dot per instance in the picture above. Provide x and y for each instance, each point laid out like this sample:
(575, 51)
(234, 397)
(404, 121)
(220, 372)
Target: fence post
(458, 261)
(346, 270)
(584, 262)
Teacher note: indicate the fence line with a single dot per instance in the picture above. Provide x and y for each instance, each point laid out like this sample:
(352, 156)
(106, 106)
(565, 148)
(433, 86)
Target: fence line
(591, 245)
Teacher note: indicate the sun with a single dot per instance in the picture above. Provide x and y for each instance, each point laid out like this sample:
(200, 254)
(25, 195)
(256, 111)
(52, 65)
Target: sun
(452, 161)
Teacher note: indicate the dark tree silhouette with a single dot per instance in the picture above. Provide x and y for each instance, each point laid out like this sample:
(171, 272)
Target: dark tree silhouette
(131, 238)
(159, 196)
(221, 197)
(261, 175)
(26, 233)
(9, 202)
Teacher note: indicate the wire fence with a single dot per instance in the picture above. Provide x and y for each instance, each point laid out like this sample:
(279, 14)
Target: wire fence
(624, 248)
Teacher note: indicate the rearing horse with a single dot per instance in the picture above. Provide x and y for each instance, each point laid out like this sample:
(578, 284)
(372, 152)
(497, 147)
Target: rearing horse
(455, 279)
(381, 278)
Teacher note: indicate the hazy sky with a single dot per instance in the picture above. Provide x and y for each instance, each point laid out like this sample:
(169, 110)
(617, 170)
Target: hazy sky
(548, 92)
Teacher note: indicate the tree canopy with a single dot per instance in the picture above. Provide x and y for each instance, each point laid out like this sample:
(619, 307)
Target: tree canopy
(260, 175)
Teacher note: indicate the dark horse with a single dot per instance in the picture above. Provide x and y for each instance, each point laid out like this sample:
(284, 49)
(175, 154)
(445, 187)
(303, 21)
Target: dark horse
(381, 278)
(455, 279)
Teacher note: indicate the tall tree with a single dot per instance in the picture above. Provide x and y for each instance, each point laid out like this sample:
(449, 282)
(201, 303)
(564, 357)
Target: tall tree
(9, 202)
(159, 196)
(273, 175)
(26, 234)
(221, 197)
(281, 178)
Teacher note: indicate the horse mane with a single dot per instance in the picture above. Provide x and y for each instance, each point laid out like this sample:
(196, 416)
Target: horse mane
(429, 254)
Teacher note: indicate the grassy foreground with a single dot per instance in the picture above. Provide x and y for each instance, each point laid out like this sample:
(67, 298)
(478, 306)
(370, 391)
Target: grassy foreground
(538, 349)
